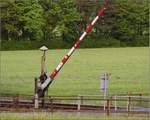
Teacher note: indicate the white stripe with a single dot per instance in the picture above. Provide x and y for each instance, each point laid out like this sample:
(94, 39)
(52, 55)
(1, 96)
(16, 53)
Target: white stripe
(93, 22)
(70, 52)
(59, 66)
(44, 85)
(82, 36)
(75, 45)
(66, 56)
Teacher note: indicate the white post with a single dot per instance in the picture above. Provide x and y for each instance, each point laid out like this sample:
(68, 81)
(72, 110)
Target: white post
(115, 103)
(127, 104)
(36, 97)
(104, 100)
(79, 102)
(105, 89)
(104, 85)
(36, 104)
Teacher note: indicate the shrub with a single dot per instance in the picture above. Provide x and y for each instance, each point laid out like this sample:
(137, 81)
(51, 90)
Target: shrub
(27, 44)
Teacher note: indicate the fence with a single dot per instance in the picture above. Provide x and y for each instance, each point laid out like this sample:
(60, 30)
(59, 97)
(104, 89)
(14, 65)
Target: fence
(114, 104)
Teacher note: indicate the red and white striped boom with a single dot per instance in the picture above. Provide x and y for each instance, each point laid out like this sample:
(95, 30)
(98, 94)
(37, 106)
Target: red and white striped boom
(48, 81)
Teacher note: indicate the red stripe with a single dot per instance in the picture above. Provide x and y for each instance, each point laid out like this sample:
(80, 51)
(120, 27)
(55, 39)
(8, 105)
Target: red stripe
(101, 11)
(53, 74)
(65, 59)
(89, 27)
(76, 44)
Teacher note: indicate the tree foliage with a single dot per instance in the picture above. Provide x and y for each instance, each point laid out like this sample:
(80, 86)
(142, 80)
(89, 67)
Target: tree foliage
(59, 15)
(125, 21)
(23, 19)
(131, 21)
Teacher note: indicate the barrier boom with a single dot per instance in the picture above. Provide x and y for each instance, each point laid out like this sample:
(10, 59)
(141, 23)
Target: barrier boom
(51, 77)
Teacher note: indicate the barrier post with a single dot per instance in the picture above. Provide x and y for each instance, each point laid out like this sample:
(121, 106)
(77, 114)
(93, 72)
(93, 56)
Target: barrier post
(89, 27)
(36, 99)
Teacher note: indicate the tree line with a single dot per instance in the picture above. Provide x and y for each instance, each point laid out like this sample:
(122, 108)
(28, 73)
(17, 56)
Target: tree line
(28, 24)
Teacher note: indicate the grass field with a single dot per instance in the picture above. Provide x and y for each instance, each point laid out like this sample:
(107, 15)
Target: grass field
(128, 68)
(56, 116)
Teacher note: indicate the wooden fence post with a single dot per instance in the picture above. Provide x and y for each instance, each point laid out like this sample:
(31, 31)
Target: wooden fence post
(81, 100)
(129, 105)
(16, 101)
(43, 102)
(140, 99)
(108, 107)
(51, 101)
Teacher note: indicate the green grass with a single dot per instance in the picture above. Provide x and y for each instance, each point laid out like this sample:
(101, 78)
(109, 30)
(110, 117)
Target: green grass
(56, 116)
(128, 66)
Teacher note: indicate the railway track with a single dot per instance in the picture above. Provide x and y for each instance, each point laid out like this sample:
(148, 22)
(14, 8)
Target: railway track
(26, 105)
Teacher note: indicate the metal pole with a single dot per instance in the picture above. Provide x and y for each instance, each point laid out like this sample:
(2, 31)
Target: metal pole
(43, 76)
(43, 58)
(36, 101)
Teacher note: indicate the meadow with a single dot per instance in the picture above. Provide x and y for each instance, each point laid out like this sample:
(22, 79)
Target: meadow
(129, 70)
(58, 116)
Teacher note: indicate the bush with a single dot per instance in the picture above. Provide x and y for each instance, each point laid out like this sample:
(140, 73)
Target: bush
(100, 42)
(16, 45)
(141, 41)
(26, 45)
(54, 44)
